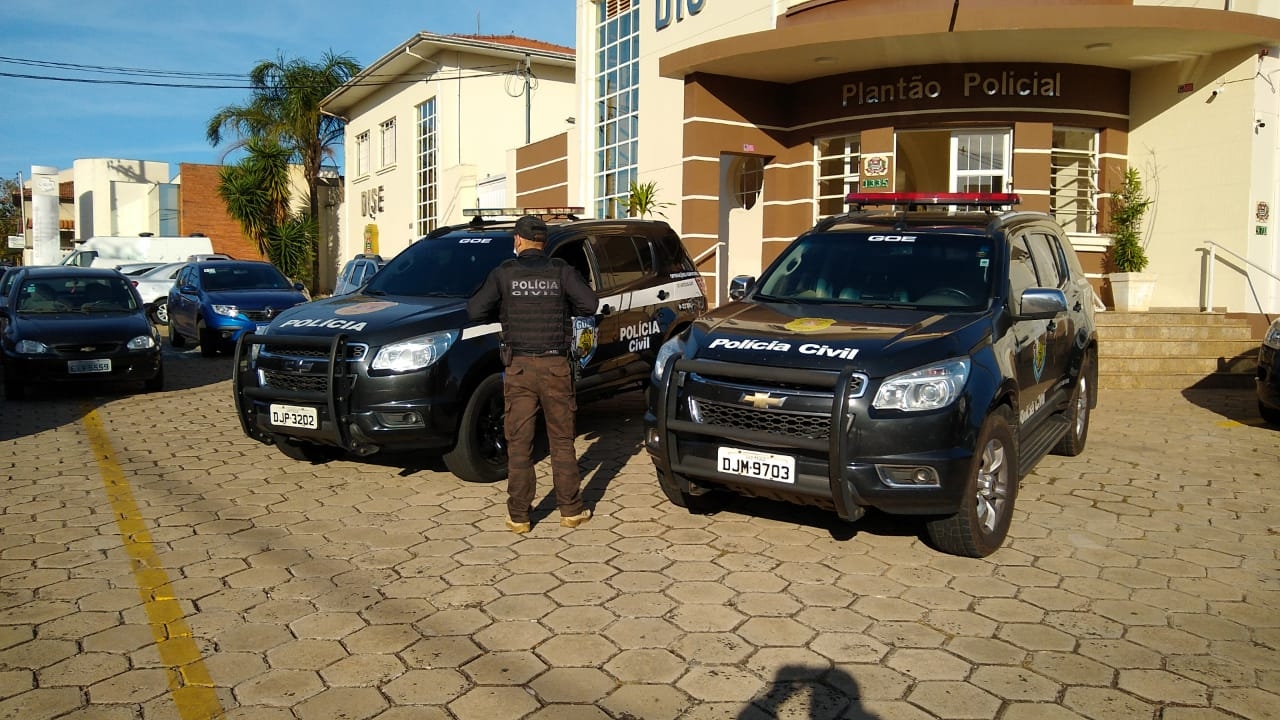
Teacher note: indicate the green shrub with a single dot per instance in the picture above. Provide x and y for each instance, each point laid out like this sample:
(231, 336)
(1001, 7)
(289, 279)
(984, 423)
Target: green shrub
(1128, 206)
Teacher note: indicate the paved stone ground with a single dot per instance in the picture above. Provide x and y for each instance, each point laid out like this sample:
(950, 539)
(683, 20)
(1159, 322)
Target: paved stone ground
(155, 563)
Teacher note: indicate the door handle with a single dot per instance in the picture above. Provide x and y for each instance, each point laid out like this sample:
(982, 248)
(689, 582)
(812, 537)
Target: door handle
(605, 309)
(663, 294)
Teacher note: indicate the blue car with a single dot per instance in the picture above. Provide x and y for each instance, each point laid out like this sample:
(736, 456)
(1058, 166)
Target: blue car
(213, 302)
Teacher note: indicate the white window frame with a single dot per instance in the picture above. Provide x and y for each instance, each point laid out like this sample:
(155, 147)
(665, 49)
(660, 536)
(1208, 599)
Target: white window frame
(362, 154)
(387, 143)
(1003, 141)
(1073, 182)
(428, 170)
(850, 174)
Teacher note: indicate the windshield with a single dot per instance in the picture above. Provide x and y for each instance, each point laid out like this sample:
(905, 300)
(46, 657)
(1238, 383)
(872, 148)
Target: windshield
(243, 277)
(66, 294)
(450, 266)
(924, 270)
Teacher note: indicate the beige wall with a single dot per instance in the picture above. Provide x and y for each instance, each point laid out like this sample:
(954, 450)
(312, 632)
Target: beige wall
(111, 195)
(478, 122)
(1204, 185)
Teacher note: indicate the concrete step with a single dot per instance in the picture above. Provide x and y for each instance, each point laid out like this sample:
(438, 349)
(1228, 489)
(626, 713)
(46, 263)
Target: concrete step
(1175, 350)
(1153, 348)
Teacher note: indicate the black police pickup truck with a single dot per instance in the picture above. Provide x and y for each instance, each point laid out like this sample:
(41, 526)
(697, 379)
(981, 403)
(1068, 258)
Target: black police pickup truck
(397, 366)
(916, 359)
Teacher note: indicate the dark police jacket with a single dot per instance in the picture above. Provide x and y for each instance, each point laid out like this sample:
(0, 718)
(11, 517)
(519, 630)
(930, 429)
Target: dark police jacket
(534, 297)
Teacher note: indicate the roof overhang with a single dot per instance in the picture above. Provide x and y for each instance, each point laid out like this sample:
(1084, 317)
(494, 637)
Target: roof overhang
(829, 38)
(417, 56)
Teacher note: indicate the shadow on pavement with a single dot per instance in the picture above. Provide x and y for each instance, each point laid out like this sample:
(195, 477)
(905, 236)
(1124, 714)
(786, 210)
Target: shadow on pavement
(1232, 403)
(829, 694)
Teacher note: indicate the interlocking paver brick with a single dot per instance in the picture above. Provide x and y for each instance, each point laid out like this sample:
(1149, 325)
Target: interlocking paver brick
(1107, 591)
(504, 668)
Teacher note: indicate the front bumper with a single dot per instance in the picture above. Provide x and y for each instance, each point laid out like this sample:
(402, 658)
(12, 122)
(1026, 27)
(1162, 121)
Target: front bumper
(843, 469)
(135, 366)
(354, 412)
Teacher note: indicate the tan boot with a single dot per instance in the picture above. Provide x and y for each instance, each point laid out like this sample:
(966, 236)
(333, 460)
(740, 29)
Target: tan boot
(518, 528)
(573, 521)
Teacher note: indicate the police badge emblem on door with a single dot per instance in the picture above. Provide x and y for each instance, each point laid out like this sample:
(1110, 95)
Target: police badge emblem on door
(584, 339)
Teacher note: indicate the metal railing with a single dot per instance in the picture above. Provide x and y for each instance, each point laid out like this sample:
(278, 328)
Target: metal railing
(715, 274)
(1206, 302)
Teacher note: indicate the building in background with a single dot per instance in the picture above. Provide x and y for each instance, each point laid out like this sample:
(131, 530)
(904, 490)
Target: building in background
(759, 116)
(111, 196)
(432, 128)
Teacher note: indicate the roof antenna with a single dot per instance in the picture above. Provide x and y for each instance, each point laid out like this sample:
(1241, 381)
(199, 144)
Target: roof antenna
(477, 22)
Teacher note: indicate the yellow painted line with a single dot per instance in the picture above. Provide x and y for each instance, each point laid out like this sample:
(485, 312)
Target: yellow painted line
(189, 681)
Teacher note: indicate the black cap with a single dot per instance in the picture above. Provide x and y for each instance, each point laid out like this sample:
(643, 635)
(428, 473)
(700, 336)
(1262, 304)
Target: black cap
(532, 227)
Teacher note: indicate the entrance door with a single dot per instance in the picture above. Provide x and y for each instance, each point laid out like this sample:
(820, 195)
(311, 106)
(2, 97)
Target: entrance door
(741, 217)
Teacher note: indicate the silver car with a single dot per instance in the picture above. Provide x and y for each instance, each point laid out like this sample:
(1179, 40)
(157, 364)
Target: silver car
(153, 286)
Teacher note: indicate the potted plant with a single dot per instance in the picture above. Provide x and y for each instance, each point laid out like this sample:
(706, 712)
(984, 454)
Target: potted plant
(1131, 288)
(642, 200)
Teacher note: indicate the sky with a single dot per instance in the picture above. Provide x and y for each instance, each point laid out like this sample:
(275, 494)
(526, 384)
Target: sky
(53, 122)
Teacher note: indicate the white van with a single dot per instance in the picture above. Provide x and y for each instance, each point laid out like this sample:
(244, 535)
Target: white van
(110, 251)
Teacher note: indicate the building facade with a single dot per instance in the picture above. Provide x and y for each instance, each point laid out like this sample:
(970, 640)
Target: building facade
(433, 128)
(759, 116)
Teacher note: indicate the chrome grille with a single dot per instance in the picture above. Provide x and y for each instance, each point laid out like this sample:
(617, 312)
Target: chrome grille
(775, 422)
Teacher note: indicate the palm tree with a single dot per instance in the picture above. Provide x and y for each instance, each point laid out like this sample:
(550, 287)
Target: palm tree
(284, 107)
(642, 200)
(256, 193)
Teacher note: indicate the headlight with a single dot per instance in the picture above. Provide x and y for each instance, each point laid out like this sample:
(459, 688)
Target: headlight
(674, 346)
(228, 310)
(142, 342)
(1272, 338)
(927, 388)
(31, 347)
(415, 353)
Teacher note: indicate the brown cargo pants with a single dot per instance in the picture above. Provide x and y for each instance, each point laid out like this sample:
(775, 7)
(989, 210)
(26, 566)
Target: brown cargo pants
(530, 383)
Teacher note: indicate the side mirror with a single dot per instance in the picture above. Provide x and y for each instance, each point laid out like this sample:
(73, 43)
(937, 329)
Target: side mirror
(188, 290)
(1041, 304)
(740, 286)
(299, 287)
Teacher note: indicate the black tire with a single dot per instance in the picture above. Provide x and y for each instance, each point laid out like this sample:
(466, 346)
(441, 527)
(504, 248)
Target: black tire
(1269, 415)
(480, 454)
(208, 341)
(305, 451)
(980, 526)
(175, 338)
(1072, 443)
(155, 384)
(159, 312)
(696, 504)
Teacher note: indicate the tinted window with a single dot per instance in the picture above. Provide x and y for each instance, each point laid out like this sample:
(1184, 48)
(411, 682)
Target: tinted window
(623, 259)
(1048, 262)
(243, 277)
(449, 266)
(1022, 270)
(672, 258)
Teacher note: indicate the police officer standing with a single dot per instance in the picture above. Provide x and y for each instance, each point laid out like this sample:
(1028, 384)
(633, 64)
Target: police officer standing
(535, 297)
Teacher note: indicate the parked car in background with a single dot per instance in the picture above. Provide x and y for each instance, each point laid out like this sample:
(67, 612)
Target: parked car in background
(137, 268)
(153, 287)
(357, 272)
(7, 275)
(1269, 375)
(213, 302)
(64, 324)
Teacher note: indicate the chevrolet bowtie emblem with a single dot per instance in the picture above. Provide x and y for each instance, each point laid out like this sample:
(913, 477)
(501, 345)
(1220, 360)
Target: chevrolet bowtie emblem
(760, 401)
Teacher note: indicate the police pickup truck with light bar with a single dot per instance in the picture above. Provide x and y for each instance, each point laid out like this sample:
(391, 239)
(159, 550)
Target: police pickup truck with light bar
(919, 359)
(397, 366)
